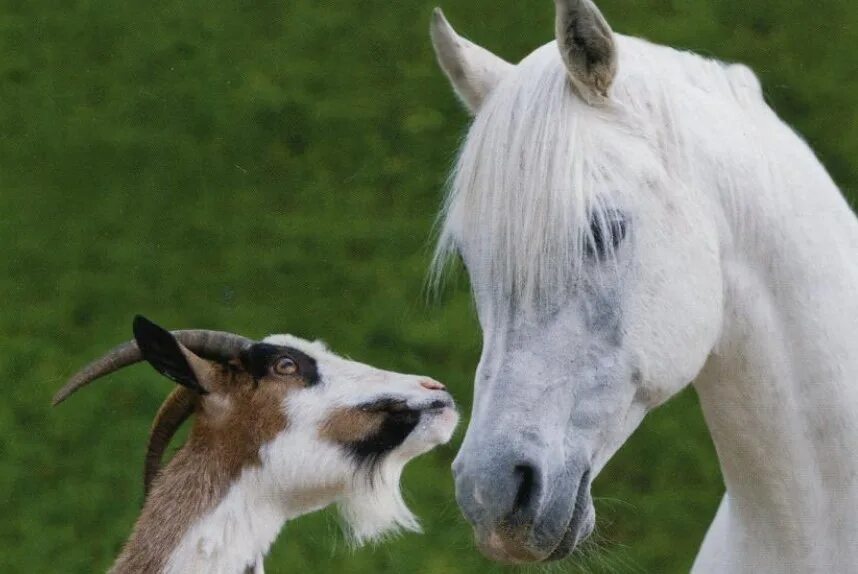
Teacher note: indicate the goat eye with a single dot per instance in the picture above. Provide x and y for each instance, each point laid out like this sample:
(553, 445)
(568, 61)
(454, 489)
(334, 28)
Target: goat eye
(607, 232)
(285, 366)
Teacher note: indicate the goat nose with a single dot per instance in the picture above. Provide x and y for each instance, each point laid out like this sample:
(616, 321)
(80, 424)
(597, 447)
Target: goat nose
(432, 385)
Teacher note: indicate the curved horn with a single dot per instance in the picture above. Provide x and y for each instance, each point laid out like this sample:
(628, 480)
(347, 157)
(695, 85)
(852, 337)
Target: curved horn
(173, 413)
(216, 345)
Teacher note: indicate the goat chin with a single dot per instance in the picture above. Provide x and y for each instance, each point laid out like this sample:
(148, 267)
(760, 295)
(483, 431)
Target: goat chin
(374, 509)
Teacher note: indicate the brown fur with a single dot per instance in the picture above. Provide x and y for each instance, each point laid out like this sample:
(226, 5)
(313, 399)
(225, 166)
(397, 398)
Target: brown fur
(180, 405)
(232, 422)
(346, 426)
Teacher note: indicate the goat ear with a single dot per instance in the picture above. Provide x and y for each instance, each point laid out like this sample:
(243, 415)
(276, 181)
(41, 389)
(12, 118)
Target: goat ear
(167, 356)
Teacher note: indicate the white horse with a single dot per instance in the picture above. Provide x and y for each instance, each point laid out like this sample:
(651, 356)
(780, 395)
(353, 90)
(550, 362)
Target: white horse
(634, 219)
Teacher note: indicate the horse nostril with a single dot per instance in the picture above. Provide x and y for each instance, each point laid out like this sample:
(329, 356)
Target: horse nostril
(527, 487)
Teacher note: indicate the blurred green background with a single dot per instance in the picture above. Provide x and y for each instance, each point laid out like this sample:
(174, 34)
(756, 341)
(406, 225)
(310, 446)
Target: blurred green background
(270, 166)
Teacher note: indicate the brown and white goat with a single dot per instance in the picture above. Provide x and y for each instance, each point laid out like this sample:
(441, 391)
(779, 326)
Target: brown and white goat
(282, 427)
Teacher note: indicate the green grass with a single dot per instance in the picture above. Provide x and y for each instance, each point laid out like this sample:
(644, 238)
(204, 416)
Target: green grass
(276, 166)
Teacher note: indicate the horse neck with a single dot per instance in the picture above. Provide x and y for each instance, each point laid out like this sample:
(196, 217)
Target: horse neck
(204, 514)
(780, 391)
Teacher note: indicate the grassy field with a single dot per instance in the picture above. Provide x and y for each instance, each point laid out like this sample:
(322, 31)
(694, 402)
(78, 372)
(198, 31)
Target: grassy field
(274, 166)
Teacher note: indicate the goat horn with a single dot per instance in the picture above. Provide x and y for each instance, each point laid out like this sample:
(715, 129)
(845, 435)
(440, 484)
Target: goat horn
(208, 344)
(173, 413)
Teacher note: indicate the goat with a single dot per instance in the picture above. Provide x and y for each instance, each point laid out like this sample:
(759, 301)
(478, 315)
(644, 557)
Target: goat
(282, 427)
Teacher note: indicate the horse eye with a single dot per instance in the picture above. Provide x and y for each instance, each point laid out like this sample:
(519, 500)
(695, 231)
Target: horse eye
(607, 231)
(285, 366)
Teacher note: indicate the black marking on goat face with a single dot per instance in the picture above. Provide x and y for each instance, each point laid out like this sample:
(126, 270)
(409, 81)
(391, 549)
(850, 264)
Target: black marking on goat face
(259, 359)
(398, 421)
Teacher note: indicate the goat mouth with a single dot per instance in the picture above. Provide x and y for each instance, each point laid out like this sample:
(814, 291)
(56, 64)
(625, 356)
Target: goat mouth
(436, 406)
(386, 405)
(395, 405)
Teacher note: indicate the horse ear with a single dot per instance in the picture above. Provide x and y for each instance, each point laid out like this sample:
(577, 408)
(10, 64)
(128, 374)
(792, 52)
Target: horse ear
(169, 357)
(587, 46)
(473, 71)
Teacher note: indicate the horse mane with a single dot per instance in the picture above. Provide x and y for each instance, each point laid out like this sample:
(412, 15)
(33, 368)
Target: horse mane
(540, 167)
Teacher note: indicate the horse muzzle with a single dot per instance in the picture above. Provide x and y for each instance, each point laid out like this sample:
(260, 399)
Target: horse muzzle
(520, 512)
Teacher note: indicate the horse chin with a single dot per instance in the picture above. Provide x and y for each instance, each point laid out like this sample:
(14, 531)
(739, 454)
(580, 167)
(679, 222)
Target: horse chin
(516, 546)
(508, 548)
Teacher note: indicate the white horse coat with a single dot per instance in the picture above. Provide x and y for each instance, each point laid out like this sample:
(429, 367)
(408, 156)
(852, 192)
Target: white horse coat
(634, 219)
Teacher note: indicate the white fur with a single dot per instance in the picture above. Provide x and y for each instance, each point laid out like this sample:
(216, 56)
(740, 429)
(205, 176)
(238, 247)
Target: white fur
(740, 275)
(239, 530)
(300, 472)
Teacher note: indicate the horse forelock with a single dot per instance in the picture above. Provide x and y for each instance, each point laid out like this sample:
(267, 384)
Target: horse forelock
(539, 165)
